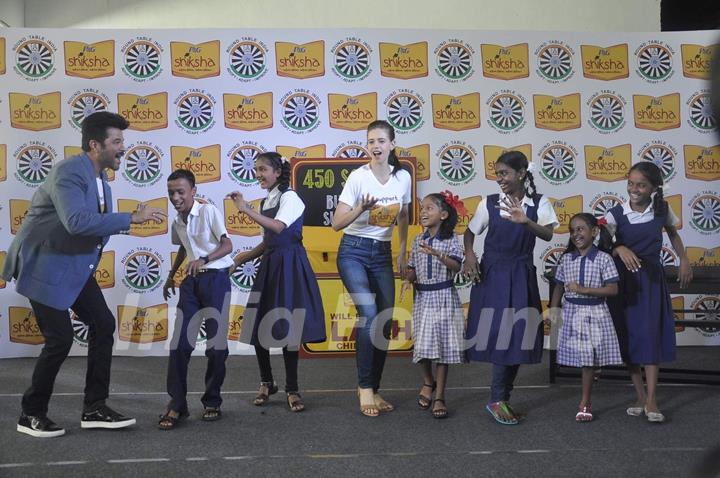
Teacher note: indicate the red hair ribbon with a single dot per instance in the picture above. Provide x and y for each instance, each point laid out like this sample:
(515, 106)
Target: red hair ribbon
(602, 221)
(454, 202)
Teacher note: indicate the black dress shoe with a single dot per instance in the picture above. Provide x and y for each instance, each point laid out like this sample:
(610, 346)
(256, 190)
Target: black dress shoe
(38, 426)
(105, 417)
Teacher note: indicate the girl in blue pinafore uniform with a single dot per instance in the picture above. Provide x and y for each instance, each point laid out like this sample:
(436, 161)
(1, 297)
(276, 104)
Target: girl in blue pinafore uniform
(506, 292)
(643, 311)
(284, 308)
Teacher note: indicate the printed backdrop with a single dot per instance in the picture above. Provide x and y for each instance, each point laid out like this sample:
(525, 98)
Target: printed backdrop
(582, 106)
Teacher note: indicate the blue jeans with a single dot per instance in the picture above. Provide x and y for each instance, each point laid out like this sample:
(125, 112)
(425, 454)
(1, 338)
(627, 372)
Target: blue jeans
(503, 377)
(365, 267)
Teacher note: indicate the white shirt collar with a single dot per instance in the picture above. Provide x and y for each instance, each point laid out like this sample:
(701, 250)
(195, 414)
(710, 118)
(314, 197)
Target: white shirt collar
(194, 211)
(273, 194)
(628, 210)
(526, 201)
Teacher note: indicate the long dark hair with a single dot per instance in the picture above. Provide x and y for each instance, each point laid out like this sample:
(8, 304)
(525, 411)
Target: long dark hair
(653, 174)
(387, 127)
(275, 161)
(518, 161)
(447, 227)
(604, 241)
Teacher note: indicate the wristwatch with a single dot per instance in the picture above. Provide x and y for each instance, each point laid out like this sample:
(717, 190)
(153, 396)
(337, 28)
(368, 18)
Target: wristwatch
(205, 259)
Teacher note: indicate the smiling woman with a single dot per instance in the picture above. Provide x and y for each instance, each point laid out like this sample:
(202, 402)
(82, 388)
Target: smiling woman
(374, 198)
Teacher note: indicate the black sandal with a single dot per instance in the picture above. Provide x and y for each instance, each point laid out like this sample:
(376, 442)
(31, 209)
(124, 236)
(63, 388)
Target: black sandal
(211, 414)
(296, 405)
(440, 412)
(262, 398)
(423, 401)
(168, 422)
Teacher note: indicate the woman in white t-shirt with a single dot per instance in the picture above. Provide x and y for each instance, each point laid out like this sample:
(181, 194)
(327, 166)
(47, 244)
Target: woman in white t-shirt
(375, 197)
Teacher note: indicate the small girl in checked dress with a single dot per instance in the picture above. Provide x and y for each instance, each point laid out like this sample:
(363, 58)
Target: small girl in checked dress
(586, 276)
(438, 323)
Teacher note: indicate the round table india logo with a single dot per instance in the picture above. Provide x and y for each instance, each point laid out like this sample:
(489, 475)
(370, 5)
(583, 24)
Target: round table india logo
(351, 151)
(34, 163)
(457, 163)
(607, 112)
(705, 208)
(662, 156)
(142, 60)
(248, 60)
(300, 112)
(555, 62)
(507, 112)
(654, 62)
(601, 204)
(352, 60)
(195, 112)
(454, 61)
(558, 163)
(142, 165)
(242, 164)
(244, 276)
(405, 112)
(35, 59)
(142, 271)
(85, 104)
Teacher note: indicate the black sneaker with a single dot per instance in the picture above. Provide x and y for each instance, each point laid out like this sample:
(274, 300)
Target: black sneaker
(40, 427)
(105, 417)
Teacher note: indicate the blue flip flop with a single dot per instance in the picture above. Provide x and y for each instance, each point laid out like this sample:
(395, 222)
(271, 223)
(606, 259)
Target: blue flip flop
(498, 418)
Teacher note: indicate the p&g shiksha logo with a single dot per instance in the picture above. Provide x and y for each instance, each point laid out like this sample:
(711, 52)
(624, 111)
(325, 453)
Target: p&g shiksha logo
(352, 59)
(142, 58)
(34, 161)
(35, 58)
(242, 162)
(143, 269)
(248, 59)
(84, 103)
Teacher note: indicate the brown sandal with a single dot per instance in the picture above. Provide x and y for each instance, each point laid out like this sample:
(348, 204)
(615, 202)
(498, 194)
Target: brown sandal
(296, 404)
(367, 402)
(440, 412)
(423, 401)
(211, 414)
(170, 422)
(262, 397)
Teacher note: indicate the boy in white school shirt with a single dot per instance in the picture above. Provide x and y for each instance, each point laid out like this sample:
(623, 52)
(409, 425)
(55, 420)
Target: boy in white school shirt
(200, 231)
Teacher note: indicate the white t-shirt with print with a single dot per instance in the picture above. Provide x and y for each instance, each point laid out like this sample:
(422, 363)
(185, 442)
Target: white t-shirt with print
(378, 222)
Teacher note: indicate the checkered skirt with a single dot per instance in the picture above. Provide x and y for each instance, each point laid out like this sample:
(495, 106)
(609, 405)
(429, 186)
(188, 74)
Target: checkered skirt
(438, 326)
(587, 337)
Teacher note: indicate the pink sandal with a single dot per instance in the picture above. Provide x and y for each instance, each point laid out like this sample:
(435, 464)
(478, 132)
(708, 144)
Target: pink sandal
(584, 414)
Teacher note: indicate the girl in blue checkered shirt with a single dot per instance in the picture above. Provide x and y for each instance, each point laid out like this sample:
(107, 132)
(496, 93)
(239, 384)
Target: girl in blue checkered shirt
(585, 277)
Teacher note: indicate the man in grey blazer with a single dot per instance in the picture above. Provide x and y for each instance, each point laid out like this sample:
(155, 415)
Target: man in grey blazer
(53, 259)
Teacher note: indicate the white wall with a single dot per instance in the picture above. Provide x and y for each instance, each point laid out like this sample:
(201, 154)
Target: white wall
(549, 15)
(12, 13)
